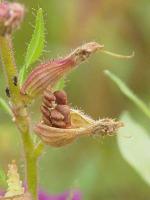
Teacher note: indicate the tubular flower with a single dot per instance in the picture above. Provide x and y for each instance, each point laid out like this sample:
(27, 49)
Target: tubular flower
(49, 73)
(11, 15)
(62, 125)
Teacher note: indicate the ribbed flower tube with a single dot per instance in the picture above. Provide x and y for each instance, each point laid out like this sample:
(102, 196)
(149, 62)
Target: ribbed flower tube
(49, 73)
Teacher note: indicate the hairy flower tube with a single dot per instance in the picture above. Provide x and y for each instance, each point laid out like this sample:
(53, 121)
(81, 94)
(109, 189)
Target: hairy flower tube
(49, 73)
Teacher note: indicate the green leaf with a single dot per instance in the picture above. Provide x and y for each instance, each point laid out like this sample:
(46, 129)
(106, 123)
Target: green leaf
(60, 85)
(126, 91)
(35, 46)
(134, 144)
(5, 107)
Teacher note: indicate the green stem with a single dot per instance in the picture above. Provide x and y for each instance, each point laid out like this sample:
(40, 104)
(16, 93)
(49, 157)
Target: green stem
(9, 68)
(31, 165)
(21, 116)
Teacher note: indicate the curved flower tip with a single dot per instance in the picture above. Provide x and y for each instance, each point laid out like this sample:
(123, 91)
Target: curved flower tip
(49, 73)
(82, 53)
(11, 15)
(69, 195)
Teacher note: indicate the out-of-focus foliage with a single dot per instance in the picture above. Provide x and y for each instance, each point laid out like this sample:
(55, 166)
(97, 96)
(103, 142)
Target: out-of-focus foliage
(126, 91)
(95, 166)
(134, 143)
(2, 176)
(4, 106)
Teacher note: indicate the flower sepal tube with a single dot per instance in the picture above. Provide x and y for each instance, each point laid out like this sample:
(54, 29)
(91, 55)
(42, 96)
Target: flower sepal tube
(49, 73)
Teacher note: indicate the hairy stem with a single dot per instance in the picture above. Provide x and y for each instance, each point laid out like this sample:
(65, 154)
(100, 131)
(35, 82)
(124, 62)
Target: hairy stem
(20, 114)
(9, 68)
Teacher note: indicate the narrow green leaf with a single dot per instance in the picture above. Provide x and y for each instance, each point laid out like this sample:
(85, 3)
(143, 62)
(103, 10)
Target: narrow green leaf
(60, 85)
(134, 144)
(5, 107)
(126, 91)
(35, 46)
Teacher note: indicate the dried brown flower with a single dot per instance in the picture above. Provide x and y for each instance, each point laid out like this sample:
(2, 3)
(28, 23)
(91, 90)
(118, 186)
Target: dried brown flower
(11, 15)
(81, 125)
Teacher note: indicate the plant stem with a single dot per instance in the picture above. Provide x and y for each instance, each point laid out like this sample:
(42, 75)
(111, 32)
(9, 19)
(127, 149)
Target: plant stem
(31, 165)
(21, 116)
(9, 68)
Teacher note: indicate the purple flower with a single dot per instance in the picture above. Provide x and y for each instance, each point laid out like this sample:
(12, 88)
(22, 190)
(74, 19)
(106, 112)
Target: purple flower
(70, 195)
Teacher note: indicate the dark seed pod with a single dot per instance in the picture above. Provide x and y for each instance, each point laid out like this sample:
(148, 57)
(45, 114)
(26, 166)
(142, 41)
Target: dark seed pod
(61, 97)
(56, 115)
(46, 117)
(47, 103)
(45, 111)
(54, 110)
(49, 96)
(65, 111)
(46, 120)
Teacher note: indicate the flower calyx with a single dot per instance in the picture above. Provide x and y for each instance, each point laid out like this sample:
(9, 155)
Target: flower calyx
(61, 125)
(49, 73)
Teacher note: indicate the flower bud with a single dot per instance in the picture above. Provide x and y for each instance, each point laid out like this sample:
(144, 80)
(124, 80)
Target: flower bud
(49, 73)
(81, 125)
(11, 15)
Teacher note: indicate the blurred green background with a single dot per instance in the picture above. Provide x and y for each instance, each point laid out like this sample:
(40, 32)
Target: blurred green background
(93, 165)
